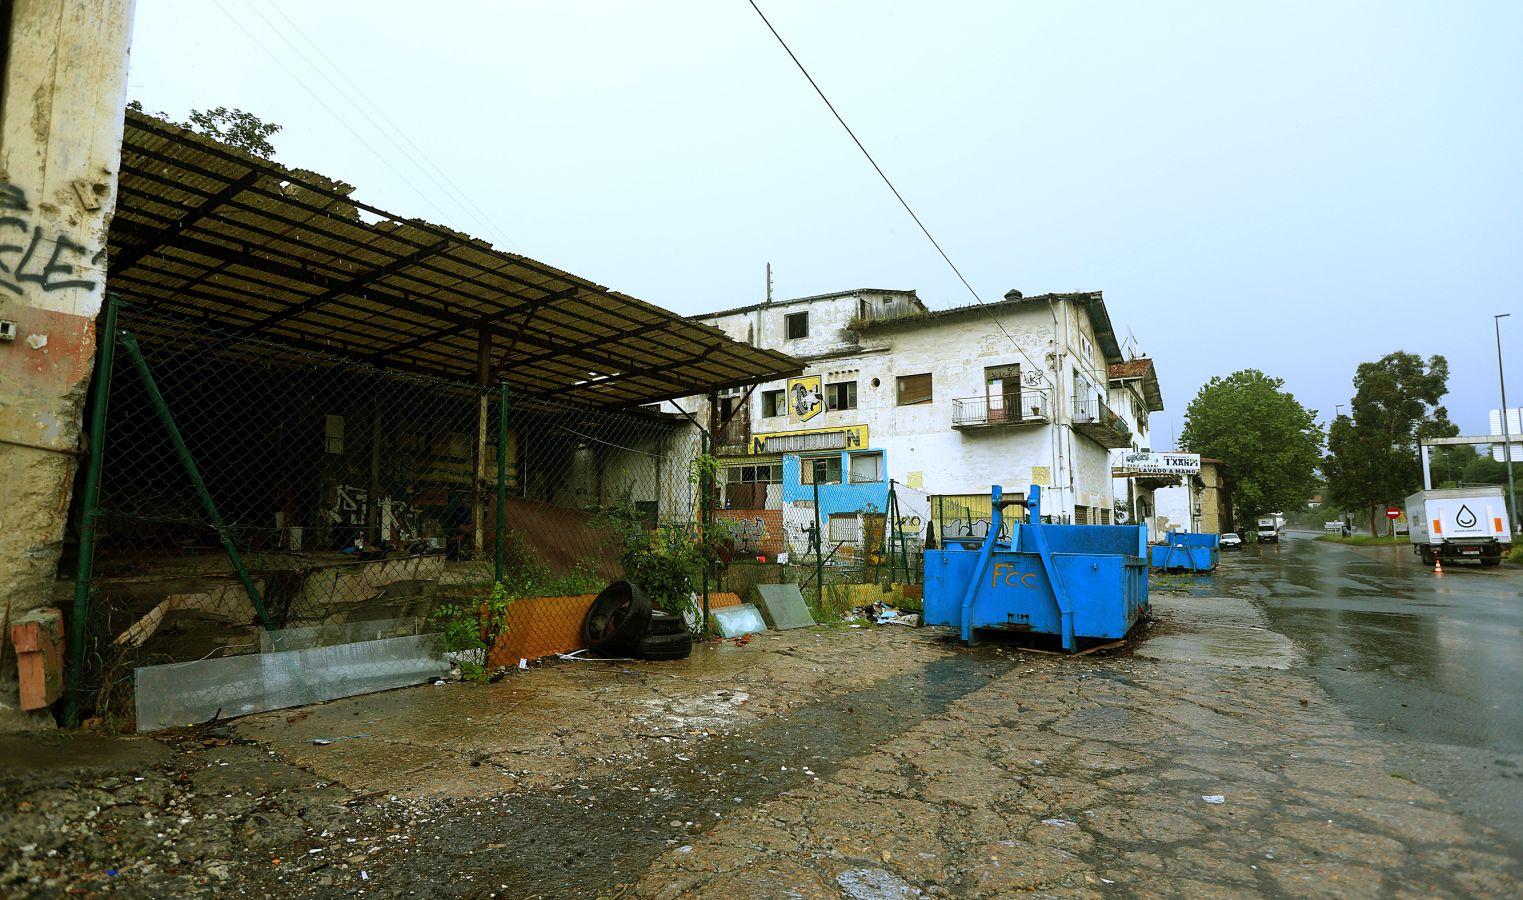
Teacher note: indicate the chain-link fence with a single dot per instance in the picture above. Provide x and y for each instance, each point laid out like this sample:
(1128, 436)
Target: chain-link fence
(249, 485)
(857, 534)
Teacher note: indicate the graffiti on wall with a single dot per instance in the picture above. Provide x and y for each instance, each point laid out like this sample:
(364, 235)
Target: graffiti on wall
(351, 506)
(32, 255)
(757, 531)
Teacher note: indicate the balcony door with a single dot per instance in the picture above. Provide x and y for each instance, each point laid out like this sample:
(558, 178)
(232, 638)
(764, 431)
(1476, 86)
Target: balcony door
(1002, 391)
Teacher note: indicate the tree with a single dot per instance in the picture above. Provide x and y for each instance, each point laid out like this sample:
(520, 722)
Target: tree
(1373, 457)
(1269, 443)
(234, 127)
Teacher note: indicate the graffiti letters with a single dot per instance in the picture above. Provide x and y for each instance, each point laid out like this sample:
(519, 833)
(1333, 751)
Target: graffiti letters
(1007, 573)
(29, 255)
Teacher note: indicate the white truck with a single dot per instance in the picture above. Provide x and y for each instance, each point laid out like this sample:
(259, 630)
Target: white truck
(1460, 524)
(1269, 528)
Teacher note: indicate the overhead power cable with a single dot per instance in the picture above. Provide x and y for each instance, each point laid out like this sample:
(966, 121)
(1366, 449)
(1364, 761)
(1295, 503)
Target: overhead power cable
(392, 132)
(331, 111)
(889, 182)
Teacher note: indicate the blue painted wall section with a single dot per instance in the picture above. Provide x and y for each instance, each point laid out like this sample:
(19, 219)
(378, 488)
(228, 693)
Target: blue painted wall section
(837, 498)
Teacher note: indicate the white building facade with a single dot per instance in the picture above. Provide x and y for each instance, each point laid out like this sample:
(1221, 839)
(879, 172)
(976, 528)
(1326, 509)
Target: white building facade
(942, 403)
(1135, 395)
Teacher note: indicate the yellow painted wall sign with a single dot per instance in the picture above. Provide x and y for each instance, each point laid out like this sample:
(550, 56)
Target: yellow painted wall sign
(843, 437)
(806, 399)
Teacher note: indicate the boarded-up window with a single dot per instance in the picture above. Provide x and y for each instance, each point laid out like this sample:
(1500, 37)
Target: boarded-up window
(845, 527)
(914, 389)
(824, 469)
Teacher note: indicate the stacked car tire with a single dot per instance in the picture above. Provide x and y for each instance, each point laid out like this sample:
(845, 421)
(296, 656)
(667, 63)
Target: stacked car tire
(621, 622)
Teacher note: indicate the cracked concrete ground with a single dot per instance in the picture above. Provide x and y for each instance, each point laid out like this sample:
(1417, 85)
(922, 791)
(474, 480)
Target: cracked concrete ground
(873, 762)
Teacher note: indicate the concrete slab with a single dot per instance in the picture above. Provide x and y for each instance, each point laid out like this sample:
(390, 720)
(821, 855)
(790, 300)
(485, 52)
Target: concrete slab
(783, 606)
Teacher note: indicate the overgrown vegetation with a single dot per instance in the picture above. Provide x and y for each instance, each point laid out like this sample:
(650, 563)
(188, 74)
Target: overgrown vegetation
(473, 618)
(234, 127)
(663, 561)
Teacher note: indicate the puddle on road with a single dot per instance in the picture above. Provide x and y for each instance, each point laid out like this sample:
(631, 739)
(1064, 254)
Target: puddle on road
(1218, 631)
(595, 835)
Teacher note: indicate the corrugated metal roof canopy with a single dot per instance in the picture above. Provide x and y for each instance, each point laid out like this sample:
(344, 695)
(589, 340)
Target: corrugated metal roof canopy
(208, 231)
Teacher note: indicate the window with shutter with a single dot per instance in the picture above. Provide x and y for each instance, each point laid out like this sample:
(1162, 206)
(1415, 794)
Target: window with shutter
(914, 389)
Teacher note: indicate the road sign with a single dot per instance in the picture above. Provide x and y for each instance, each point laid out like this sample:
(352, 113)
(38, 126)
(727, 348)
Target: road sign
(1393, 512)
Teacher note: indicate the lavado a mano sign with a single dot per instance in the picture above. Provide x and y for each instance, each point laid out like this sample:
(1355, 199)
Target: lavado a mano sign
(1147, 462)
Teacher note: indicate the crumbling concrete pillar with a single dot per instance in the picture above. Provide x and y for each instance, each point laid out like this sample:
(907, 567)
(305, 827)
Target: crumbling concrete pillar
(61, 109)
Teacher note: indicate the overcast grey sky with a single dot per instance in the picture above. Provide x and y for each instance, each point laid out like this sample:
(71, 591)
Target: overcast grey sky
(1295, 187)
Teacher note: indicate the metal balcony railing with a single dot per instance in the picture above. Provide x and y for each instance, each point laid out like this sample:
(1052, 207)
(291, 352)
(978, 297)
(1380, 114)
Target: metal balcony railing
(1029, 408)
(1093, 419)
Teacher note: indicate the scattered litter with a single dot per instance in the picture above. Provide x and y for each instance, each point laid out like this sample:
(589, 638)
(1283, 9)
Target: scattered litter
(910, 619)
(364, 875)
(523, 663)
(1059, 823)
(323, 742)
(586, 655)
(882, 613)
(1214, 798)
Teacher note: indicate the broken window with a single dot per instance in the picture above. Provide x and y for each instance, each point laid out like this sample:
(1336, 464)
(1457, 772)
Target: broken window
(774, 403)
(820, 469)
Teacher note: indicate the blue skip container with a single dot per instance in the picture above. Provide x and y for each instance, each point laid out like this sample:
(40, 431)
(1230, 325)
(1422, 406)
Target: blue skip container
(1187, 551)
(1077, 581)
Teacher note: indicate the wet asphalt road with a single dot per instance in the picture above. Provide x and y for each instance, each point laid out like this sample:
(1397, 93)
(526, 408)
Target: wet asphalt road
(1433, 664)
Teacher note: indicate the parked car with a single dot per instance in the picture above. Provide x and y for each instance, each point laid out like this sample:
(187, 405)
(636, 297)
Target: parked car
(1231, 541)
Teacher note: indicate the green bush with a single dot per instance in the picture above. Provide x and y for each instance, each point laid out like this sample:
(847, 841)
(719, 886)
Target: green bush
(1516, 555)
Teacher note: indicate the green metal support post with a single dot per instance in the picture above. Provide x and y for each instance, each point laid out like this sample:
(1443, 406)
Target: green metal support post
(819, 544)
(96, 447)
(703, 520)
(135, 353)
(500, 520)
(904, 550)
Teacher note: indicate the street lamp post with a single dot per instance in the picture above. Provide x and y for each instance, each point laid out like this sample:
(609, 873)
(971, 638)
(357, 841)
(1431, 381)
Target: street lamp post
(1512, 492)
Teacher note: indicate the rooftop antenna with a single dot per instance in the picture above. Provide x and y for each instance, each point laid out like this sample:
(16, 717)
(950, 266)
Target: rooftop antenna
(1130, 339)
(769, 282)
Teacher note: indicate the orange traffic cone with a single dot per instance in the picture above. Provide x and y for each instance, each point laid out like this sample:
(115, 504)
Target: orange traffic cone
(1438, 565)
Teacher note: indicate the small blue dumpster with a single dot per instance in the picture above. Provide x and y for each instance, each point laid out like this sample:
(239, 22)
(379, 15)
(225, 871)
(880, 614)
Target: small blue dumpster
(1078, 581)
(1187, 551)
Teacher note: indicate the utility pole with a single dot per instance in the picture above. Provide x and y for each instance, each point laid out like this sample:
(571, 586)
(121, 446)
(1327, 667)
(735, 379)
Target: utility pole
(1512, 491)
(769, 282)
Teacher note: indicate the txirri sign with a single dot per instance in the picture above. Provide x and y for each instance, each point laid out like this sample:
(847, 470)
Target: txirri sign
(1146, 462)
